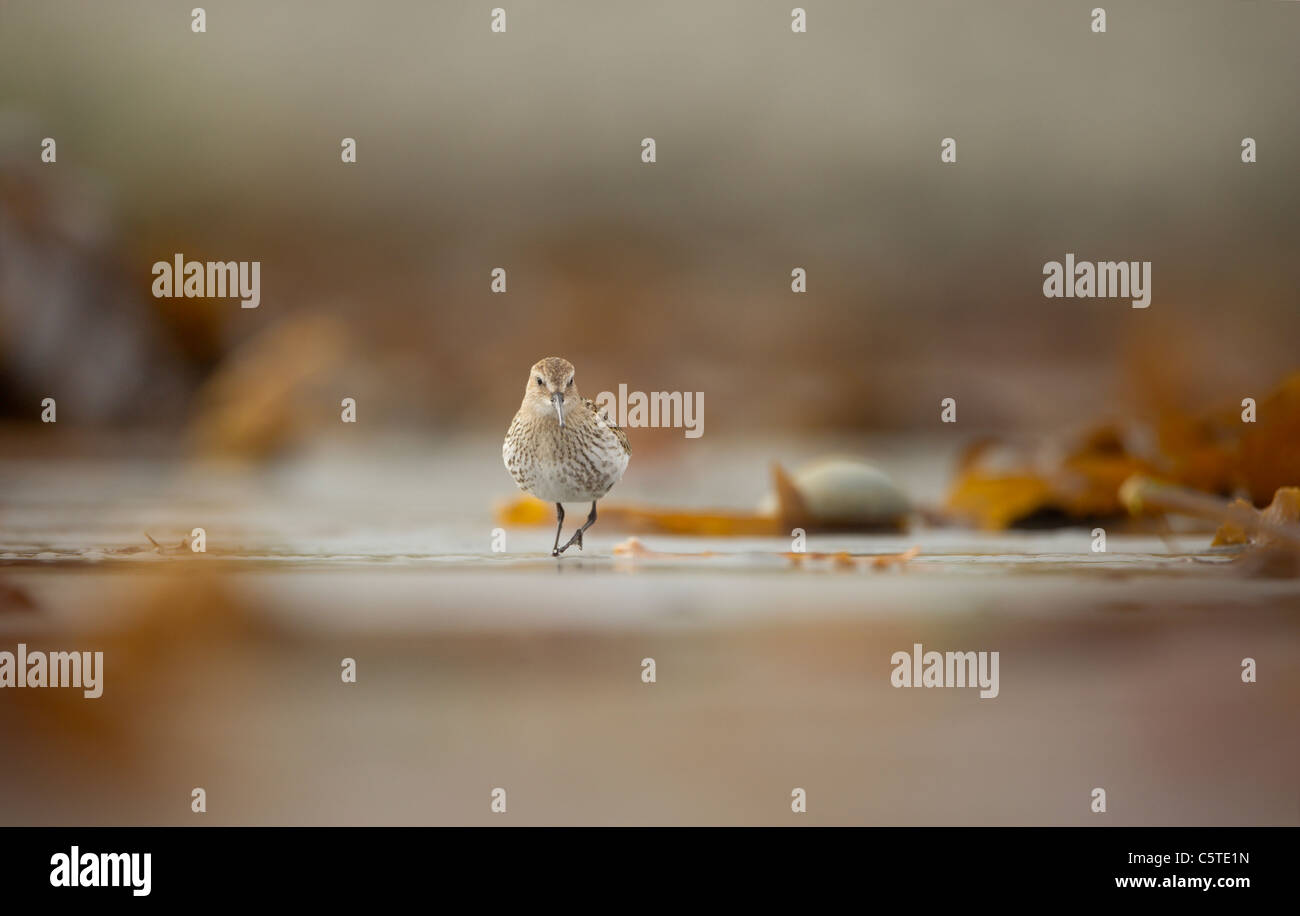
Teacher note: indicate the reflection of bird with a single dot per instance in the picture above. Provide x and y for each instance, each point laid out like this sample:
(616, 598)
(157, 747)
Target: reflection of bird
(560, 448)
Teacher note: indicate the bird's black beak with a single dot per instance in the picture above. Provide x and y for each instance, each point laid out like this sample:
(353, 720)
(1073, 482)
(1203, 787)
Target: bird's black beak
(558, 400)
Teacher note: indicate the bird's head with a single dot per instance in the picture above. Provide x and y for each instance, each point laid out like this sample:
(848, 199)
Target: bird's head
(550, 388)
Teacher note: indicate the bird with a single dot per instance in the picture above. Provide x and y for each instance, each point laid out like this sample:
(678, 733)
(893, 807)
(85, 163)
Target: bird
(561, 447)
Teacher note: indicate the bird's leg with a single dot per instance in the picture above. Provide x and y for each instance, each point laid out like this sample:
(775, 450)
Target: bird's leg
(577, 535)
(559, 512)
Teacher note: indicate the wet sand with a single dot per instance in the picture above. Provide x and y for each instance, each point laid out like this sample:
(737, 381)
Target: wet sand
(477, 670)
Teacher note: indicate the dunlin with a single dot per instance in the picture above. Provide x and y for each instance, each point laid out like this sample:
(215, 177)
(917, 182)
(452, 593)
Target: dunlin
(561, 448)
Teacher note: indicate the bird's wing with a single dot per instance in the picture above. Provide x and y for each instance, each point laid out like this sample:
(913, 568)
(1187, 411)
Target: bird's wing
(604, 416)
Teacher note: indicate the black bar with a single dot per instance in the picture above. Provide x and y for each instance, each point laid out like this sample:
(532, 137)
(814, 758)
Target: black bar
(331, 865)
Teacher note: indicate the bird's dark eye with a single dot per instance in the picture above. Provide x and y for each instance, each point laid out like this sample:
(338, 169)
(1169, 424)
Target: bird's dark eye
(540, 382)
(570, 385)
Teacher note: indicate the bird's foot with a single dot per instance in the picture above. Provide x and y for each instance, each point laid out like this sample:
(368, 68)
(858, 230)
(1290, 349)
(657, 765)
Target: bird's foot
(576, 539)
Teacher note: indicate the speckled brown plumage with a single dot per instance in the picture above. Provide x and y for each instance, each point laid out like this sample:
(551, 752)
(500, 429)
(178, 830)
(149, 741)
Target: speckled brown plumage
(560, 447)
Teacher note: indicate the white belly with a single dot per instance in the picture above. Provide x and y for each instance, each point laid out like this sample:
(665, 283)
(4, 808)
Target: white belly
(567, 474)
(558, 484)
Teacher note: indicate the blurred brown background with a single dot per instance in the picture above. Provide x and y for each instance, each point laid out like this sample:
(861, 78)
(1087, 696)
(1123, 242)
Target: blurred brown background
(775, 150)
